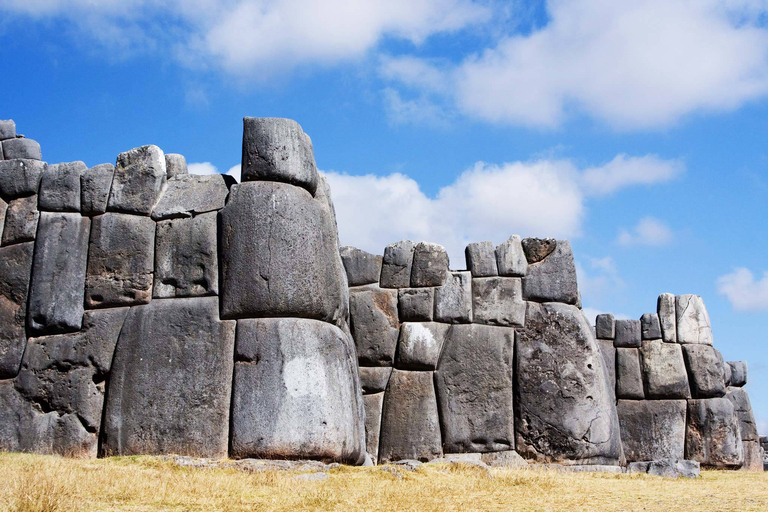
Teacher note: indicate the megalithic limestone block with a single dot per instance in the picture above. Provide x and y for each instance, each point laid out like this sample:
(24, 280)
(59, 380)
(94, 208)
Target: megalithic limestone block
(373, 404)
(713, 434)
(374, 324)
(21, 220)
(629, 376)
(649, 325)
(15, 271)
(652, 429)
(95, 184)
(175, 165)
(188, 194)
(628, 334)
(419, 345)
(139, 177)
(693, 324)
(20, 178)
(743, 408)
(605, 326)
(416, 304)
(563, 408)
(481, 259)
(510, 258)
(430, 264)
(705, 371)
(60, 187)
(665, 308)
(169, 388)
(609, 358)
(664, 372)
(27, 149)
(553, 278)
(296, 392)
(453, 300)
(361, 267)
(397, 265)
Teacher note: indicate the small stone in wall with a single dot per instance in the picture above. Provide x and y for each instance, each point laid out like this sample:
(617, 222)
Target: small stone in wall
(416, 304)
(498, 301)
(20, 178)
(706, 371)
(453, 300)
(738, 373)
(419, 345)
(21, 220)
(605, 328)
(665, 309)
(138, 180)
(481, 259)
(361, 267)
(397, 265)
(28, 149)
(510, 258)
(650, 327)
(60, 187)
(95, 184)
(175, 165)
(629, 375)
(430, 264)
(628, 334)
(664, 371)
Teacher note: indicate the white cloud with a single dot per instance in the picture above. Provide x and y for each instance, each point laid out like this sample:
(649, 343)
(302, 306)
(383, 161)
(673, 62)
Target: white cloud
(624, 171)
(202, 168)
(648, 231)
(744, 292)
(234, 171)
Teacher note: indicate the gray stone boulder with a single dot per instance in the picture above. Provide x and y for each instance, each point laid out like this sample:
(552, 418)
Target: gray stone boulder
(664, 373)
(15, 271)
(481, 259)
(26, 149)
(20, 178)
(138, 179)
(58, 273)
(474, 382)
(510, 258)
(410, 428)
(629, 376)
(563, 408)
(374, 324)
(296, 392)
(95, 184)
(189, 194)
(628, 334)
(361, 267)
(652, 429)
(693, 325)
(453, 300)
(120, 261)
(397, 265)
(605, 326)
(713, 435)
(552, 279)
(667, 468)
(536, 249)
(186, 258)
(60, 187)
(498, 301)
(738, 373)
(276, 149)
(374, 379)
(430, 265)
(21, 220)
(705, 371)
(175, 165)
(743, 409)
(280, 255)
(419, 345)
(7, 129)
(416, 304)
(169, 388)
(373, 404)
(650, 327)
(665, 309)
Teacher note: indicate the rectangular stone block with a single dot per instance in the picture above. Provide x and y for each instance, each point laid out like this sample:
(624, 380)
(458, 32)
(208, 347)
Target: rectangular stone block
(609, 358)
(361, 267)
(652, 429)
(665, 308)
(498, 301)
(430, 264)
(605, 328)
(26, 149)
(664, 373)
(19, 178)
(15, 271)
(419, 345)
(738, 373)
(373, 404)
(186, 195)
(374, 324)
(481, 259)
(705, 371)
(7, 129)
(713, 435)
(628, 334)
(416, 304)
(60, 187)
(138, 179)
(743, 409)
(21, 220)
(693, 325)
(510, 258)
(397, 264)
(95, 184)
(453, 300)
(175, 165)
(629, 376)
(553, 279)
(650, 327)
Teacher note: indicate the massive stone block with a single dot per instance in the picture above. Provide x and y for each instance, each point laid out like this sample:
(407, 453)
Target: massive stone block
(430, 265)
(277, 149)
(705, 371)
(373, 404)
(416, 304)
(498, 301)
(474, 382)
(410, 428)
(650, 327)
(139, 177)
(21, 220)
(60, 187)
(753, 457)
(280, 254)
(608, 352)
(552, 279)
(652, 429)
(693, 324)
(20, 178)
(563, 407)
(738, 373)
(95, 184)
(743, 408)
(713, 435)
(397, 265)
(374, 324)
(419, 345)
(175, 165)
(15, 270)
(186, 259)
(26, 149)
(169, 388)
(628, 334)
(629, 376)
(374, 379)
(189, 194)
(481, 259)
(510, 258)
(664, 372)
(665, 308)
(296, 392)
(361, 267)
(453, 300)
(605, 326)
(120, 261)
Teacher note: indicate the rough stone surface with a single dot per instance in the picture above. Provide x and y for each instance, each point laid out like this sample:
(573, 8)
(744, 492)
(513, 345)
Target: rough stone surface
(3, 209)
(7, 129)
(280, 255)
(738, 373)
(186, 259)
(474, 382)
(563, 407)
(397, 265)
(667, 468)
(498, 301)
(410, 428)
(276, 149)
(419, 345)
(507, 459)
(164, 396)
(95, 184)
(629, 376)
(608, 352)
(58, 273)
(374, 379)
(26, 149)
(753, 460)
(120, 261)
(430, 264)
(175, 165)
(536, 249)
(664, 372)
(21, 220)
(295, 392)
(361, 267)
(628, 334)
(15, 270)
(510, 258)
(20, 178)
(727, 374)
(693, 324)
(60, 187)
(481, 259)
(416, 304)
(650, 327)
(706, 372)
(665, 309)
(652, 429)
(374, 324)
(740, 400)
(139, 177)
(453, 300)
(605, 326)
(713, 435)
(373, 405)
(552, 279)
(189, 194)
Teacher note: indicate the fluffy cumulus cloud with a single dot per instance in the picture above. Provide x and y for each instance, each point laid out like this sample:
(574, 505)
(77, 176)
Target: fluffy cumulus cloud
(209, 168)
(649, 231)
(744, 291)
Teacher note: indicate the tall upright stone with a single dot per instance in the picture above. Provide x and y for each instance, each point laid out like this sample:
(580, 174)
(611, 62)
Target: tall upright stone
(15, 271)
(453, 300)
(397, 264)
(665, 308)
(138, 179)
(374, 324)
(430, 265)
(693, 325)
(95, 184)
(510, 258)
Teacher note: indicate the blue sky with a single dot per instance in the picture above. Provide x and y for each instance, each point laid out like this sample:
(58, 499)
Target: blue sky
(636, 130)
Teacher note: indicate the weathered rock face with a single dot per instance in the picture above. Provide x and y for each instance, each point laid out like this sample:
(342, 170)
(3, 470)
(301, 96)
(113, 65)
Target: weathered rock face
(743, 408)
(60, 187)
(163, 396)
(536, 249)
(95, 184)
(21, 149)
(608, 352)
(474, 381)
(629, 375)
(650, 327)
(7, 129)
(481, 259)
(652, 429)
(498, 301)
(374, 325)
(293, 387)
(138, 179)
(667, 317)
(416, 304)
(706, 371)
(664, 372)
(361, 267)
(374, 379)
(20, 178)
(693, 324)
(453, 300)
(430, 265)
(552, 279)
(175, 165)
(188, 194)
(15, 271)
(419, 345)
(605, 327)
(510, 258)
(397, 264)
(713, 435)
(373, 404)
(738, 373)
(563, 407)
(21, 220)
(628, 334)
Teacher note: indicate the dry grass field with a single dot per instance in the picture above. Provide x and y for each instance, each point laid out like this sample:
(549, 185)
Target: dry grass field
(39, 483)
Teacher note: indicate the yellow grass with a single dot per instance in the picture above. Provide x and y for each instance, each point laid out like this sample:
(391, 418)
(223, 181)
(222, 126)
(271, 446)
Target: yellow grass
(40, 483)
